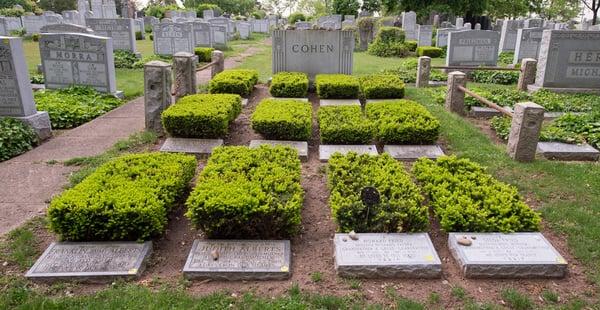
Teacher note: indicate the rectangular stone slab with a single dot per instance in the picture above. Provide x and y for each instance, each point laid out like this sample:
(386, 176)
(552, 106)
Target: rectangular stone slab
(239, 260)
(565, 151)
(300, 146)
(191, 146)
(91, 261)
(282, 98)
(338, 102)
(514, 255)
(325, 151)
(413, 152)
(386, 256)
(485, 112)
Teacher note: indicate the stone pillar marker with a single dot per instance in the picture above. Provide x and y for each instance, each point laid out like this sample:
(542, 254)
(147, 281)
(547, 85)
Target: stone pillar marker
(455, 98)
(219, 59)
(157, 93)
(525, 131)
(528, 72)
(423, 71)
(184, 65)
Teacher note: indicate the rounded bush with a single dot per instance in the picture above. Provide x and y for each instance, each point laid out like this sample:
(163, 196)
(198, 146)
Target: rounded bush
(344, 125)
(382, 86)
(283, 119)
(204, 53)
(289, 85)
(296, 17)
(337, 86)
(433, 52)
(236, 81)
(403, 122)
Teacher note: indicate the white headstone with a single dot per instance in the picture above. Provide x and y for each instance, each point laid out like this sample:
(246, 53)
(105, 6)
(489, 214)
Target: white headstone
(425, 34)
(202, 34)
(15, 87)
(409, 25)
(508, 35)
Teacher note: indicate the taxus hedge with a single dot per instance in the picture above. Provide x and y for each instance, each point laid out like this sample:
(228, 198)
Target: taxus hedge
(403, 122)
(344, 125)
(202, 115)
(289, 84)
(204, 53)
(382, 86)
(466, 198)
(337, 86)
(127, 198)
(238, 81)
(431, 51)
(400, 209)
(248, 193)
(283, 119)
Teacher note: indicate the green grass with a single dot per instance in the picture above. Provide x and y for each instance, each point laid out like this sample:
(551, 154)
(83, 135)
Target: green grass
(458, 293)
(261, 62)
(516, 300)
(316, 276)
(365, 64)
(19, 246)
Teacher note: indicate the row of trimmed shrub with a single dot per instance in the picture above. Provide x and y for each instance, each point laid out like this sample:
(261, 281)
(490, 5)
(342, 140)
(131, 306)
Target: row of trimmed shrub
(392, 122)
(283, 119)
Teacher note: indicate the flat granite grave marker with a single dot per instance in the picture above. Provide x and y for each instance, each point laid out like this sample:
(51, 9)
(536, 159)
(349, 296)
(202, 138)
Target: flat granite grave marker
(91, 261)
(564, 151)
(170, 38)
(239, 260)
(472, 48)
(203, 147)
(326, 150)
(386, 256)
(514, 255)
(339, 102)
(413, 152)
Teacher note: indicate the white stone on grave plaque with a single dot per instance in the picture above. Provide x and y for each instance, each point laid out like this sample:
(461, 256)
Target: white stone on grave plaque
(409, 25)
(170, 38)
(425, 32)
(219, 35)
(528, 44)
(121, 30)
(472, 48)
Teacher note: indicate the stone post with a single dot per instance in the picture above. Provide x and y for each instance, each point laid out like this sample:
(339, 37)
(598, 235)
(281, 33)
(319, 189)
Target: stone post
(527, 75)
(184, 66)
(455, 98)
(423, 71)
(525, 131)
(157, 93)
(219, 58)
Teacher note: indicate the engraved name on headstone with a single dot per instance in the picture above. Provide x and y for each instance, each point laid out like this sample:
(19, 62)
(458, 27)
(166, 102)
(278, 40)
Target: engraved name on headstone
(472, 48)
(121, 30)
(16, 97)
(528, 44)
(170, 38)
(508, 35)
(202, 34)
(425, 32)
(66, 28)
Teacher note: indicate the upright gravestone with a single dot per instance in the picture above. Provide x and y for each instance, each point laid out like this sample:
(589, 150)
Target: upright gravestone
(121, 30)
(459, 22)
(303, 25)
(208, 14)
(151, 20)
(533, 23)
(409, 24)
(441, 36)
(467, 26)
(425, 34)
(313, 51)
(65, 28)
(528, 44)
(78, 59)
(569, 60)
(347, 24)
(202, 34)
(219, 35)
(333, 22)
(222, 21)
(33, 23)
(244, 30)
(3, 29)
(17, 97)
(508, 35)
(170, 38)
(72, 17)
(472, 48)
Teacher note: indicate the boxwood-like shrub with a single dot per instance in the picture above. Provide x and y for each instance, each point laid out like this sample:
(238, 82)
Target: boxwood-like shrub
(127, 198)
(238, 81)
(337, 86)
(289, 84)
(202, 115)
(400, 208)
(204, 53)
(283, 119)
(403, 122)
(467, 199)
(411, 45)
(344, 125)
(431, 51)
(248, 193)
(382, 86)
(15, 138)
(390, 34)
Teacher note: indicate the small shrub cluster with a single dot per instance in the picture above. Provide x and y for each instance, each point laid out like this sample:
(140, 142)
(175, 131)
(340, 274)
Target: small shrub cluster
(467, 199)
(73, 106)
(35, 37)
(431, 51)
(248, 193)
(403, 122)
(202, 115)
(15, 138)
(399, 209)
(289, 85)
(411, 45)
(495, 77)
(127, 198)
(296, 17)
(407, 71)
(344, 125)
(36, 78)
(283, 119)
(337, 86)
(506, 58)
(382, 86)
(389, 42)
(124, 59)
(238, 81)
(204, 53)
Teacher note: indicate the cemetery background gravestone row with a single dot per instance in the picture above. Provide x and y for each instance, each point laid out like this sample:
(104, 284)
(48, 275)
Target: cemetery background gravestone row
(472, 48)
(170, 38)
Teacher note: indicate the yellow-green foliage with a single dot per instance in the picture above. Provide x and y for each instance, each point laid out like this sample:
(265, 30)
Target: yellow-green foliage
(289, 84)
(344, 125)
(235, 81)
(431, 51)
(283, 119)
(382, 86)
(337, 86)
(204, 53)
(403, 122)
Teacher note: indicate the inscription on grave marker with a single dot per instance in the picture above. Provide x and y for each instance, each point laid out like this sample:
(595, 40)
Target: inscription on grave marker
(472, 48)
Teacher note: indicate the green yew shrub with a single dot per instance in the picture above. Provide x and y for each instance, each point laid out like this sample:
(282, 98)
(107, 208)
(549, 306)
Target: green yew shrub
(296, 17)
(467, 199)
(400, 209)
(431, 51)
(289, 84)
(390, 34)
(15, 138)
(382, 86)
(403, 122)
(204, 53)
(337, 86)
(127, 198)
(389, 42)
(344, 125)
(411, 45)
(236, 81)
(248, 193)
(283, 119)
(202, 115)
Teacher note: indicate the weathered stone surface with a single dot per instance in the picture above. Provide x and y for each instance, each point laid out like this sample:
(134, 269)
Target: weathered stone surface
(413, 152)
(202, 34)
(508, 35)
(527, 75)
(472, 48)
(423, 71)
(121, 30)
(424, 34)
(515, 255)
(564, 151)
(409, 25)
(528, 44)
(219, 35)
(338, 102)
(386, 256)
(219, 59)
(441, 36)
(202, 147)
(17, 97)
(239, 260)
(170, 38)
(525, 131)
(62, 28)
(91, 261)
(40, 122)
(157, 93)
(282, 98)
(184, 67)
(300, 146)
(455, 98)
(485, 112)
(325, 151)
